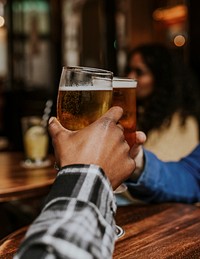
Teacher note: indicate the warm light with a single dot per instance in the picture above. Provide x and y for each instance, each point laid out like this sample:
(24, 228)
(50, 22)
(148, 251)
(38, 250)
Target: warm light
(2, 21)
(179, 40)
(171, 13)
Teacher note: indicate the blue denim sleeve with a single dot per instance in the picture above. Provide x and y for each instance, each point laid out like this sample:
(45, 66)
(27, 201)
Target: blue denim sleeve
(168, 181)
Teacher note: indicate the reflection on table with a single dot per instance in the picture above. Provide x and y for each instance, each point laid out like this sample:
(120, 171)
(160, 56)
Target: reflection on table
(17, 182)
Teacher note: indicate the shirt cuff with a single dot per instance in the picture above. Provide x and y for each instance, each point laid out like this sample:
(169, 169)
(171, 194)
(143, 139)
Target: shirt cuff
(86, 183)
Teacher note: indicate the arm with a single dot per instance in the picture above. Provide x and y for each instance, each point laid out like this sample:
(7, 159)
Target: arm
(81, 222)
(77, 220)
(168, 181)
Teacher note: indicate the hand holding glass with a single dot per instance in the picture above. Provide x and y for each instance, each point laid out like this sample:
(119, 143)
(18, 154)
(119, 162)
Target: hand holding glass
(84, 95)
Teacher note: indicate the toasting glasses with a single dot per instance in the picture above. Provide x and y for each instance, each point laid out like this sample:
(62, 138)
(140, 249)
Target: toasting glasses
(85, 94)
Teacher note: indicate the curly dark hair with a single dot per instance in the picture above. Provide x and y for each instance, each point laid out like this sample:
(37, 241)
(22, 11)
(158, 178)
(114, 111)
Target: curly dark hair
(174, 88)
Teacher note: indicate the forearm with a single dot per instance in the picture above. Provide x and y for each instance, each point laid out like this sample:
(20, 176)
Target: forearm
(74, 218)
(168, 181)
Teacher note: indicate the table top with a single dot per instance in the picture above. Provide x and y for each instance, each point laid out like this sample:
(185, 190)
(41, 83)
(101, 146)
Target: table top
(158, 231)
(17, 182)
(170, 230)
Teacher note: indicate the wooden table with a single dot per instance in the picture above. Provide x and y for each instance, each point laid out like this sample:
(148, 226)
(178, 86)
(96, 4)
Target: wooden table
(159, 231)
(151, 232)
(17, 182)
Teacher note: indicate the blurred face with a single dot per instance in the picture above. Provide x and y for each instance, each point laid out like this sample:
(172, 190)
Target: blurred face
(139, 71)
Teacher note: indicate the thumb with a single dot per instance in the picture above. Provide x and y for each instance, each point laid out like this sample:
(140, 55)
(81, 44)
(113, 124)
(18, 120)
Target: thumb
(55, 127)
(114, 113)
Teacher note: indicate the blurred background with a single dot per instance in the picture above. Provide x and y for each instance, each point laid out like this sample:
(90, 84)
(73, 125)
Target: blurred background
(38, 37)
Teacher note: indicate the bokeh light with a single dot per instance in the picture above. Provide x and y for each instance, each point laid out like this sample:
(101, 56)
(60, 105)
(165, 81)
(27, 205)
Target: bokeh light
(179, 40)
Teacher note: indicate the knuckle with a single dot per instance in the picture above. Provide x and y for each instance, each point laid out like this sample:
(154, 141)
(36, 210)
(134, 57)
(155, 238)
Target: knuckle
(117, 109)
(106, 122)
(126, 146)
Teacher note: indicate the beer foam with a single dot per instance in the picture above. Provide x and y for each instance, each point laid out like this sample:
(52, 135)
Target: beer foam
(124, 83)
(85, 88)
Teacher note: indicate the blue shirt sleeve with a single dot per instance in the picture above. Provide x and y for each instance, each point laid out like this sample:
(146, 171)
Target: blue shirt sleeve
(168, 181)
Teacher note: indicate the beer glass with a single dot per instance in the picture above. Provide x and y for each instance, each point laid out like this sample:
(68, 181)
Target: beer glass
(84, 95)
(124, 95)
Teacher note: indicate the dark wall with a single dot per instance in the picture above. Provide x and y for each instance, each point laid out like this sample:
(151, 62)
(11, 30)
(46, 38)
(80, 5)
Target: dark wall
(194, 36)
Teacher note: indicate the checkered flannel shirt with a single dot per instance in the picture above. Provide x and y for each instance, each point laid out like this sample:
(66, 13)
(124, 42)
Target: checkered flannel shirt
(77, 219)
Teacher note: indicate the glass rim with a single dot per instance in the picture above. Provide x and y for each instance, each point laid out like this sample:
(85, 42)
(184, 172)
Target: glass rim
(127, 82)
(98, 71)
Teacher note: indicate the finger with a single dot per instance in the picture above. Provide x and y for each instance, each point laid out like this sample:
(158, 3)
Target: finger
(55, 127)
(114, 113)
(140, 139)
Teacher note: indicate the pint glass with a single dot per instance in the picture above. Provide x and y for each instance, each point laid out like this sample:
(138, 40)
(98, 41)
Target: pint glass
(84, 95)
(124, 95)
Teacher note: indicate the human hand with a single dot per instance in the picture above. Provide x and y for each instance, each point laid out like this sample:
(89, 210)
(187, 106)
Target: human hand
(101, 143)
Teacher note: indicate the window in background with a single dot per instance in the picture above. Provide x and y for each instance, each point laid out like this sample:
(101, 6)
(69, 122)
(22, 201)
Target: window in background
(30, 43)
(71, 16)
(31, 62)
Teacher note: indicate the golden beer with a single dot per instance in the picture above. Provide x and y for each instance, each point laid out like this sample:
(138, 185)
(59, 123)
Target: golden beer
(77, 107)
(84, 95)
(124, 95)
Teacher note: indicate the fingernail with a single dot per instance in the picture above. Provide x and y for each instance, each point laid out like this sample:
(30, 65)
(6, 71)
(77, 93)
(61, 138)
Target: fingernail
(51, 119)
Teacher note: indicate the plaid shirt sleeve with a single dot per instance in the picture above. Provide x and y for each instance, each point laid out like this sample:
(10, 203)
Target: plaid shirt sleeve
(77, 220)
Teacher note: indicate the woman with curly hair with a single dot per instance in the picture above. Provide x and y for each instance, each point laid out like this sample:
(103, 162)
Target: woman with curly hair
(167, 101)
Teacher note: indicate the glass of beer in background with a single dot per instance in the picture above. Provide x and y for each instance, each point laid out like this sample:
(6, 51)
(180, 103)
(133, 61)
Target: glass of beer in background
(84, 95)
(124, 95)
